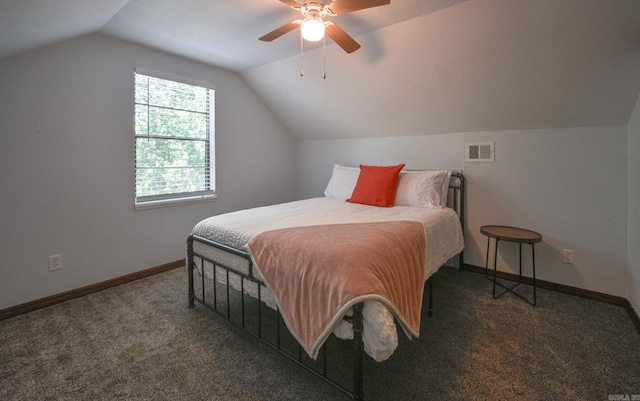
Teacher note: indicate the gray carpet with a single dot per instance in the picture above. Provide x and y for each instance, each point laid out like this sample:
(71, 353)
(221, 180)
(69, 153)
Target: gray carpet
(139, 341)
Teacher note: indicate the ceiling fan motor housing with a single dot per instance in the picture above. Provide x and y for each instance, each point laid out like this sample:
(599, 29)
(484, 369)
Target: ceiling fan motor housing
(316, 8)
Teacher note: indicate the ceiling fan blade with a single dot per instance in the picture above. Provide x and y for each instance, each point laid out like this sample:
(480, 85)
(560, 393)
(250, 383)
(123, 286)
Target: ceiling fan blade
(347, 6)
(291, 3)
(276, 33)
(342, 38)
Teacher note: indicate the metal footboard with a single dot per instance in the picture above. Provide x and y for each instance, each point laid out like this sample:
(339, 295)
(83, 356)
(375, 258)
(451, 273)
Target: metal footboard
(223, 308)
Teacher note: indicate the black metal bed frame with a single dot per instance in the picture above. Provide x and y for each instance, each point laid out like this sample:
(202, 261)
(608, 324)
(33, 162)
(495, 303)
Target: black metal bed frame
(457, 186)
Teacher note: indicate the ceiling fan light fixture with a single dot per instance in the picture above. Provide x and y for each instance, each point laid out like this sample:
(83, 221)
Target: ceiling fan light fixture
(312, 28)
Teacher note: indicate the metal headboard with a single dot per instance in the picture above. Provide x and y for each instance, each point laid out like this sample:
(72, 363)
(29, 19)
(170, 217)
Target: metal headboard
(456, 201)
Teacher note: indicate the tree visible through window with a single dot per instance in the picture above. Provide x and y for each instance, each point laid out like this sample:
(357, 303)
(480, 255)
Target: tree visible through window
(174, 140)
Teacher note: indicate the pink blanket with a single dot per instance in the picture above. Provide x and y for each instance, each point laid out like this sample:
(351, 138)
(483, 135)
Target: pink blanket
(317, 273)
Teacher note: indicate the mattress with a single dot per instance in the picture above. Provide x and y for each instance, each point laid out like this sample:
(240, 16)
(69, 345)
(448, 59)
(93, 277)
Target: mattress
(444, 240)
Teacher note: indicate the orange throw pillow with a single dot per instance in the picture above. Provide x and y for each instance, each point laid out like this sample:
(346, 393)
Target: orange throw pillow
(376, 185)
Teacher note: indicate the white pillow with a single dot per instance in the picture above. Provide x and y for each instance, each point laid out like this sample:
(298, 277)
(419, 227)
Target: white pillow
(342, 182)
(423, 188)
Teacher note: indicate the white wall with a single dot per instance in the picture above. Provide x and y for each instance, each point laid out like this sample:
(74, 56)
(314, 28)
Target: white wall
(633, 211)
(66, 165)
(567, 184)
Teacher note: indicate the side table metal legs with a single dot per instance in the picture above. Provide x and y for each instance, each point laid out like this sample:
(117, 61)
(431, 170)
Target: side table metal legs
(495, 270)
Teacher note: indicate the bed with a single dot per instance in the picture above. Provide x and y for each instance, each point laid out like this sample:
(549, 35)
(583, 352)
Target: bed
(284, 255)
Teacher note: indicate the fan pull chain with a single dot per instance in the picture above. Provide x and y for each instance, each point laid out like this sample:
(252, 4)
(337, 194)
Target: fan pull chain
(301, 56)
(324, 57)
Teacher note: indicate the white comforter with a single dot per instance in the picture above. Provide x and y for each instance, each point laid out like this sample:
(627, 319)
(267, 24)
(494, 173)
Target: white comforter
(444, 240)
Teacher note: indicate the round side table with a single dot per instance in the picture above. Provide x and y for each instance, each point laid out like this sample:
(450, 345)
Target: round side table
(511, 234)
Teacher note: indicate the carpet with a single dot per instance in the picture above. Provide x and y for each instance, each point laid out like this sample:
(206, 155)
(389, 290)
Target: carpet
(139, 341)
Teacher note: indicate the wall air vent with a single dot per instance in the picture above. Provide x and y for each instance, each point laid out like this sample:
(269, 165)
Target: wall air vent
(480, 152)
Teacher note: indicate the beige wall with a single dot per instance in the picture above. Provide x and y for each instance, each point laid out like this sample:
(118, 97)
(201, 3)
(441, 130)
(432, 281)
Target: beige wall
(633, 211)
(567, 184)
(66, 165)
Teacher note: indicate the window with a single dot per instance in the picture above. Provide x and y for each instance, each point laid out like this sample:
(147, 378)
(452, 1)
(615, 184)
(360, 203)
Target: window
(174, 138)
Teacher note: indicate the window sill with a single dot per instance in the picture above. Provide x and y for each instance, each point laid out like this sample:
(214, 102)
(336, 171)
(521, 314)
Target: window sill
(173, 202)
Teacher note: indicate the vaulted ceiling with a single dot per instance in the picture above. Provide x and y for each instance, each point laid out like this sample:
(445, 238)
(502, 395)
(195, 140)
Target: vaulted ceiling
(425, 66)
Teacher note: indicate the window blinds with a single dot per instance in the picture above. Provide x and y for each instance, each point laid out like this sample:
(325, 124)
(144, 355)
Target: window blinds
(173, 139)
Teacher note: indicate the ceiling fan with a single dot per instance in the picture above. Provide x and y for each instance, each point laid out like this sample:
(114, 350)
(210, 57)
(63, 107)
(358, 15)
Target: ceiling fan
(313, 26)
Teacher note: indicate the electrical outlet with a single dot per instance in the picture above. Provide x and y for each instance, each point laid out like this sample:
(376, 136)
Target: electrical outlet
(55, 262)
(567, 256)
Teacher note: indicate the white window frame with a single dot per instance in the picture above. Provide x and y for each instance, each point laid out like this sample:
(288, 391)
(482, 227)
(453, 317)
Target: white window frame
(209, 194)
